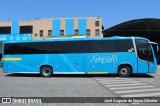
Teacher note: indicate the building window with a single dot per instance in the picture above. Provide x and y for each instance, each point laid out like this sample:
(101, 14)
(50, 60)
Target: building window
(49, 32)
(26, 29)
(5, 30)
(76, 32)
(88, 32)
(97, 23)
(97, 32)
(35, 35)
(62, 32)
(41, 33)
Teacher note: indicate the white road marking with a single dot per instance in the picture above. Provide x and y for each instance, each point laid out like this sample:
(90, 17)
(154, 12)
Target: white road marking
(111, 78)
(134, 88)
(131, 87)
(120, 82)
(115, 80)
(137, 90)
(117, 85)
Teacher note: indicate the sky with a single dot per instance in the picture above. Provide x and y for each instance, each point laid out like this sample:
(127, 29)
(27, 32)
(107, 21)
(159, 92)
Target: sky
(112, 12)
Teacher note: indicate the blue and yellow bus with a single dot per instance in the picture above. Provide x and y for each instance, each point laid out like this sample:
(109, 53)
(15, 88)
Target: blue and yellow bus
(114, 55)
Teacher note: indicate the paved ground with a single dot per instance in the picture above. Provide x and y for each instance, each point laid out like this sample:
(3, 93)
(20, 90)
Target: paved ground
(24, 85)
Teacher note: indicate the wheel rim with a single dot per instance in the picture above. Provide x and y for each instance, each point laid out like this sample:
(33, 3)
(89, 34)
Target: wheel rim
(123, 71)
(46, 72)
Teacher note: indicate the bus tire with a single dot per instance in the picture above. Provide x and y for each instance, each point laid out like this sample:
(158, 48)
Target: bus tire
(124, 71)
(46, 71)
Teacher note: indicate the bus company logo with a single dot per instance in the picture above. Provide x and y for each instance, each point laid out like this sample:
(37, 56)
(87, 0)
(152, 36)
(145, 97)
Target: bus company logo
(6, 100)
(103, 60)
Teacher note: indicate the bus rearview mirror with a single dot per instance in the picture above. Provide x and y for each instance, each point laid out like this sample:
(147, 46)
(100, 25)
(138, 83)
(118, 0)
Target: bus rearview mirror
(154, 43)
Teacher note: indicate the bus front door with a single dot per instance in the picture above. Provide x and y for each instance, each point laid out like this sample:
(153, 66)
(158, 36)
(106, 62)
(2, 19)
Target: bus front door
(76, 64)
(145, 57)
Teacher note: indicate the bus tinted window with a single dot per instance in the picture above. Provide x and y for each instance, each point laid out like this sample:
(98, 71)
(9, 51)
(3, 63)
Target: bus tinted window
(49, 47)
(113, 45)
(92, 46)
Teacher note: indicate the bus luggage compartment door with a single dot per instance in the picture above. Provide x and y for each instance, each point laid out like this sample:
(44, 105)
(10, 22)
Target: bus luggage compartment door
(76, 64)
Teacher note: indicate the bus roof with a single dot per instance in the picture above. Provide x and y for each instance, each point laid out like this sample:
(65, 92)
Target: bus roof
(75, 39)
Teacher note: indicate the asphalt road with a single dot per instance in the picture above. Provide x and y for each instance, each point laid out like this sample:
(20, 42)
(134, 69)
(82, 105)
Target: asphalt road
(26, 85)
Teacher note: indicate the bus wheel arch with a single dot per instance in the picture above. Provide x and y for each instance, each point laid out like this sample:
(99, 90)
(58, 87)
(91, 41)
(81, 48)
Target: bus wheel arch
(124, 70)
(46, 71)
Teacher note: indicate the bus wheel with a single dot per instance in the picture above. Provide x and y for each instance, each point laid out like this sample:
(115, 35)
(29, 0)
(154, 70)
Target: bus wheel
(124, 71)
(46, 71)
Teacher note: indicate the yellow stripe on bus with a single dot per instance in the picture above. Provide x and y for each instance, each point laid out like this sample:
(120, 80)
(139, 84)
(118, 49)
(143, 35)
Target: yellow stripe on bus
(97, 72)
(11, 59)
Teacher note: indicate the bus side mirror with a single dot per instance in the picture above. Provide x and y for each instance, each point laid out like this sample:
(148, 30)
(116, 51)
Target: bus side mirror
(154, 43)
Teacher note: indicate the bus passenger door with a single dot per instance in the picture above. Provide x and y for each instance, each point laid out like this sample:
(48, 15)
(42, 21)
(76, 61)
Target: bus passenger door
(151, 60)
(146, 65)
(145, 56)
(76, 64)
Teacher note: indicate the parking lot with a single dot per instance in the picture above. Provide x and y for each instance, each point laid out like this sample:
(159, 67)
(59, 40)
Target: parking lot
(29, 85)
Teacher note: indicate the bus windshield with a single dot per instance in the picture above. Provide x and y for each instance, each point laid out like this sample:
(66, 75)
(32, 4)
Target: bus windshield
(144, 50)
